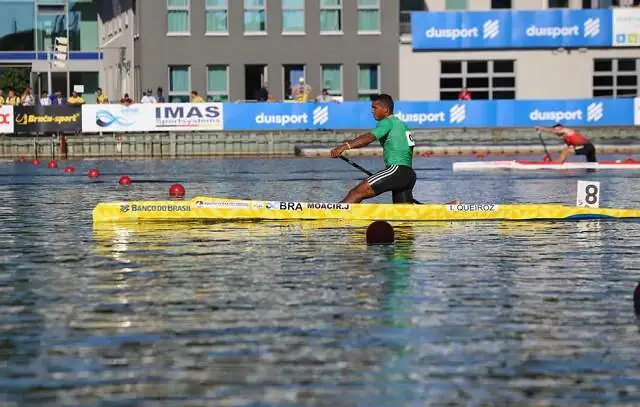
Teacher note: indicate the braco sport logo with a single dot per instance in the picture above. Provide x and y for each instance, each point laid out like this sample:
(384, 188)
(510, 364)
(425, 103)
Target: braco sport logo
(595, 112)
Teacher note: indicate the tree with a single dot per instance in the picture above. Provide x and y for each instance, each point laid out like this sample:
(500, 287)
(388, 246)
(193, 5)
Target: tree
(17, 78)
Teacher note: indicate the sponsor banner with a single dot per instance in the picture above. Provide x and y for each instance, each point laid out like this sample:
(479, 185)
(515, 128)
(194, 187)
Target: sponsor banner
(99, 118)
(276, 116)
(636, 109)
(188, 116)
(153, 117)
(626, 27)
(6, 119)
(44, 119)
(587, 112)
(512, 29)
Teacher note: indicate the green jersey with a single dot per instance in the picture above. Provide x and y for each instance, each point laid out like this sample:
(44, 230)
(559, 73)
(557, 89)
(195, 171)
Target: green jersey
(396, 140)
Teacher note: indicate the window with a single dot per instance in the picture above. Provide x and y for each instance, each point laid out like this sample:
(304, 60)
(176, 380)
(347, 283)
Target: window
(179, 84)
(217, 17)
(456, 4)
(331, 78)
(368, 81)
(484, 79)
(178, 17)
(558, 4)
(293, 16)
(616, 77)
(330, 16)
(369, 16)
(217, 83)
(497, 4)
(255, 16)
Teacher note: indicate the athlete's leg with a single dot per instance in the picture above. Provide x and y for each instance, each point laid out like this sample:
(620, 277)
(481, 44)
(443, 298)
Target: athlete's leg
(405, 194)
(360, 192)
(564, 154)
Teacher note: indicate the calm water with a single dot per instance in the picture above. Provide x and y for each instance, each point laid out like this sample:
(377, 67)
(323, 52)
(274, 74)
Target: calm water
(305, 313)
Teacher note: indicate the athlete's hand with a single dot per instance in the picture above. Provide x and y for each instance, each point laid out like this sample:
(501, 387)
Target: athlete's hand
(337, 151)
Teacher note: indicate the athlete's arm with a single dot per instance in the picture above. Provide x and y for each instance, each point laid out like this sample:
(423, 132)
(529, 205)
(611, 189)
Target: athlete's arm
(358, 142)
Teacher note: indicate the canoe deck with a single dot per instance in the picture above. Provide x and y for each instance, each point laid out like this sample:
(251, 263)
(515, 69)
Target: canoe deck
(542, 165)
(219, 209)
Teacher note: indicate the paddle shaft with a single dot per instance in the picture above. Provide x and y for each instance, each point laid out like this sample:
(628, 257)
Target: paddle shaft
(347, 160)
(544, 145)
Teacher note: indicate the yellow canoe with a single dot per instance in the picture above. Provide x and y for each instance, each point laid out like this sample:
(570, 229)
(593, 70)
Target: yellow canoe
(220, 209)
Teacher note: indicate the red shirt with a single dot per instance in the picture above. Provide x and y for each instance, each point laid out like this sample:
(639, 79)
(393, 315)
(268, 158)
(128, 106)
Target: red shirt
(575, 139)
(464, 96)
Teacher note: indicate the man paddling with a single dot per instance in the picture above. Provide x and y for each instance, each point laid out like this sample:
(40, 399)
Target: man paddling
(397, 143)
(576, 143)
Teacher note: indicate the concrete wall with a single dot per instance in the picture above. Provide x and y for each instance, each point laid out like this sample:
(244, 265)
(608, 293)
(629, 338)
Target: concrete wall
(540, 74)
(155, 51)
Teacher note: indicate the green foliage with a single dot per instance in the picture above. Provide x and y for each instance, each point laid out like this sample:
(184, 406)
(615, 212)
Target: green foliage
(17, 78)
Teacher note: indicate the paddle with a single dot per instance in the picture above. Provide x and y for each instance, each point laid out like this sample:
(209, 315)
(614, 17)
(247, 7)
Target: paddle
(544, 146)
(345, 159)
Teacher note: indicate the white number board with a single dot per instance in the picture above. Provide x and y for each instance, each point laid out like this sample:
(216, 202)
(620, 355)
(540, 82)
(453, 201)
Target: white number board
(588, 194)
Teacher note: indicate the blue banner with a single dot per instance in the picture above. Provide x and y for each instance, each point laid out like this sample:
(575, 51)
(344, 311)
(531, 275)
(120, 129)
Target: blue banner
(429, 115)
(512, 29)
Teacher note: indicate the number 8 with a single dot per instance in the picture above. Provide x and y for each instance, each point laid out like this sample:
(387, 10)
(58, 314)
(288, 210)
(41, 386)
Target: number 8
(591, 194)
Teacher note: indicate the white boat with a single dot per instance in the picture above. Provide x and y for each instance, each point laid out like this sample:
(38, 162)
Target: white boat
(545, 165)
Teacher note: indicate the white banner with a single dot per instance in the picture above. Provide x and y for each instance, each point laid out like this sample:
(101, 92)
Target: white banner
(188, 116)
(636, 109)
(152, 117)
(99, 118)
(626, 27)
(6, 119)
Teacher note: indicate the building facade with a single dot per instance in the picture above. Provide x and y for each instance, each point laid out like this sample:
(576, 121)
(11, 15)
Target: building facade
(516, 73)
(229, 49)
(28, 29)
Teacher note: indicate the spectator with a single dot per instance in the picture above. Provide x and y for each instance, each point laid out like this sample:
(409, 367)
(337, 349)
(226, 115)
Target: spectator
(195, 98)
(302, 91)
(1, 97)
(160, 96)
(101, 98)
(148, 97)
(75, 99)
(324, 96)
(464, 94)
(44, 99)
(27, 97)
(262, 95)
(12, 98)
(126, 100)
(58, 99)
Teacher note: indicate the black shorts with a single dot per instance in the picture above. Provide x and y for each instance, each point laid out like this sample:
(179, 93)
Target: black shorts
(588, 150)
(396, 178)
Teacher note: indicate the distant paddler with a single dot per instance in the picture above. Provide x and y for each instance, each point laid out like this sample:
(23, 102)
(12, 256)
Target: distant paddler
(575, 143)
(397, 143)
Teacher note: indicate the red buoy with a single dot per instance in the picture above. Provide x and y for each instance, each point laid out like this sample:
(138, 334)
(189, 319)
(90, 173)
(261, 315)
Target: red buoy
(93, 173)
(380, 232)
(176, 191)
(21, 159)
(35, 161)
(125, 180)
(52, 164)
(69, 170)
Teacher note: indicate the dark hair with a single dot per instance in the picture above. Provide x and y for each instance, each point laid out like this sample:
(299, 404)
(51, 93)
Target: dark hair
(555, 126)
(385, 100)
